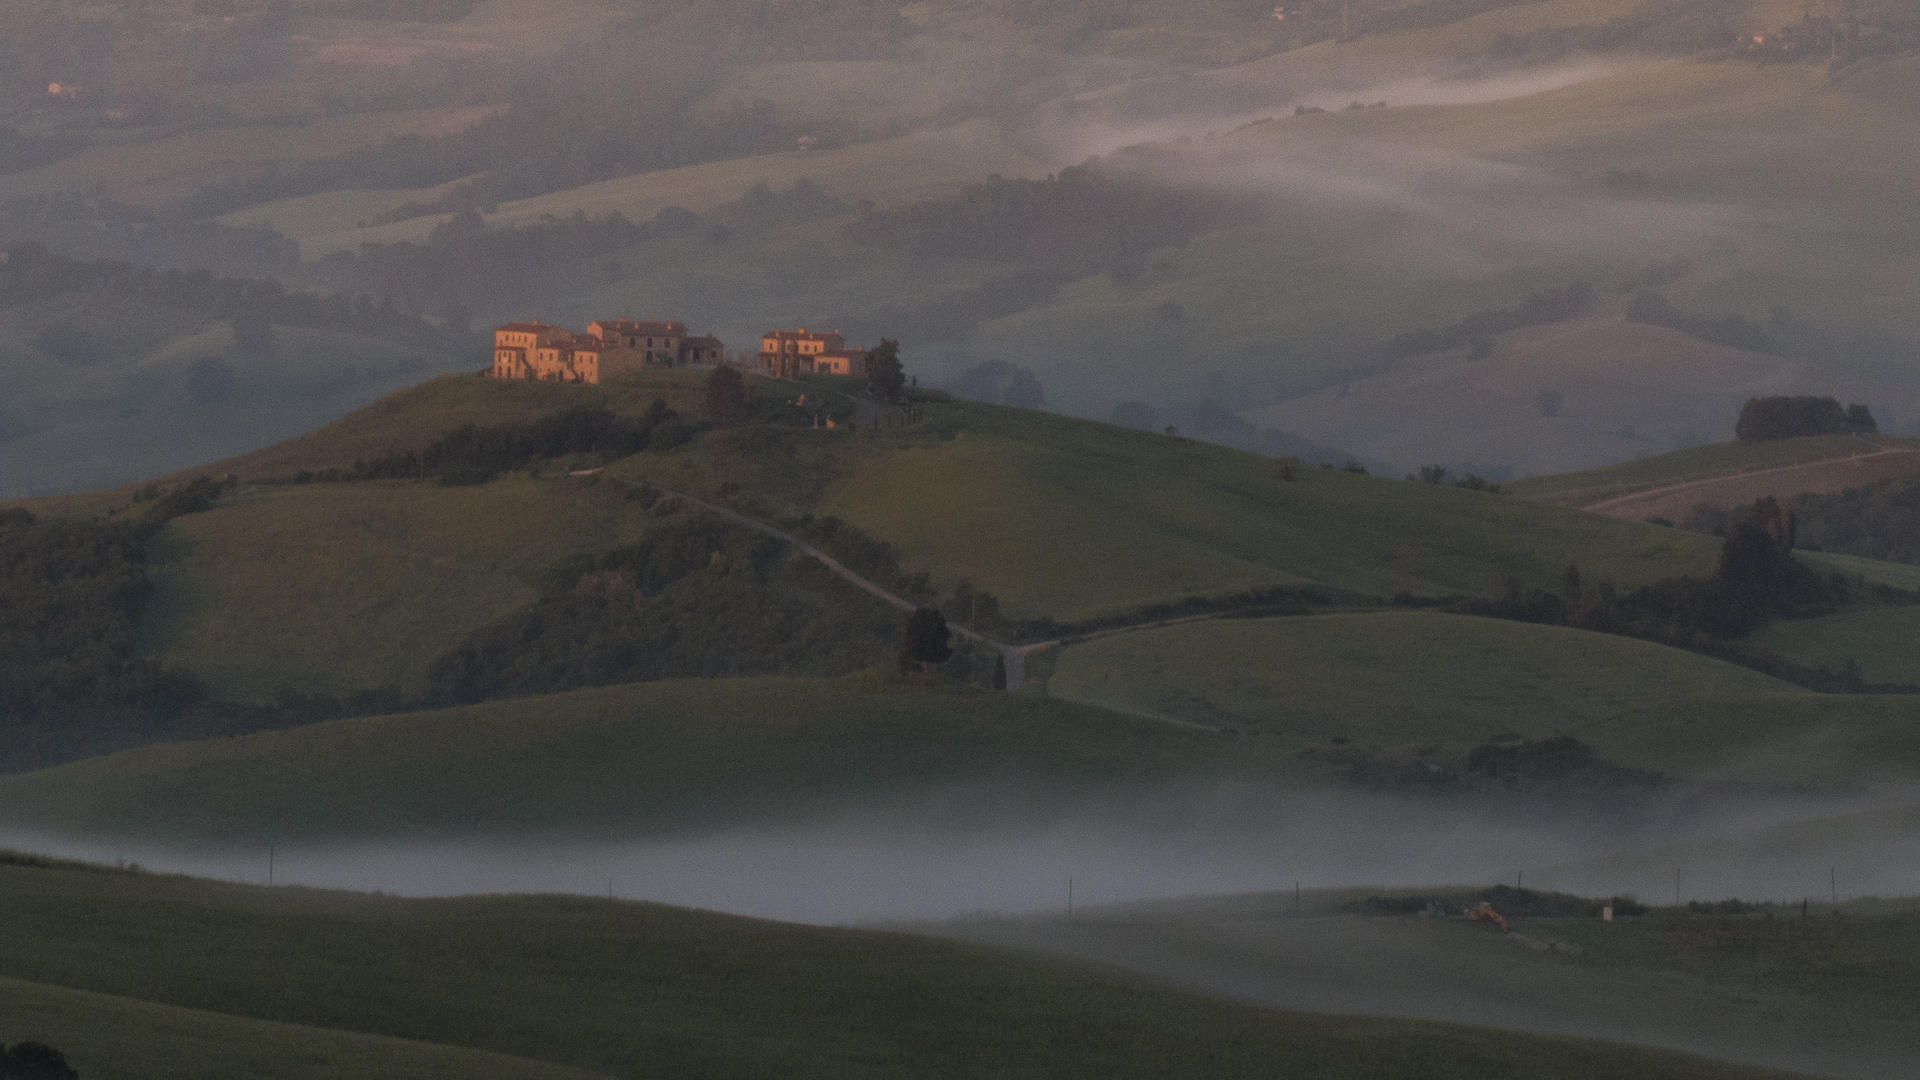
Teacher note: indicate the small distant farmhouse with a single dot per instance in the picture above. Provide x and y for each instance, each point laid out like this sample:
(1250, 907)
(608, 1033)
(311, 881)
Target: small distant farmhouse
(537, 350)
(786, 353)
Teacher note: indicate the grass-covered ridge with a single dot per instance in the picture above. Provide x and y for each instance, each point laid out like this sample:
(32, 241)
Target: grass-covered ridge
(121, 1038)
(642, 991)
(1449, 681)
(637, 759)
(1070, 519)
(1700, 463)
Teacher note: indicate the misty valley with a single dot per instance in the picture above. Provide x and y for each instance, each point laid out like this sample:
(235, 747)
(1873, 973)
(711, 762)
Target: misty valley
(824, 538)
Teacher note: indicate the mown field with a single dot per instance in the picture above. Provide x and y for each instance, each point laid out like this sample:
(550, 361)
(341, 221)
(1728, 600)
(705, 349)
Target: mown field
(640, 990)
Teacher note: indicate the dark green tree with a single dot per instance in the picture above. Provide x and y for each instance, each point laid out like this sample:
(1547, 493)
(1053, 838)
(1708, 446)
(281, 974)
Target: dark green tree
(925, 640)
(886, 378)
(34, 1061)
(727, 401)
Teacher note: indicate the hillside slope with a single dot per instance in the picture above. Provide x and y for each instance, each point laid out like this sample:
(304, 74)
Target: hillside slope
(641, 991)
(640, 759)
(1447, 681)
(1548, 399)
(1068, 519)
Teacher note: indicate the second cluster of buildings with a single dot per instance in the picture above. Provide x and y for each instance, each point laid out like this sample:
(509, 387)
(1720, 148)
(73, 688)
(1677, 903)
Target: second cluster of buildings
(537, 350)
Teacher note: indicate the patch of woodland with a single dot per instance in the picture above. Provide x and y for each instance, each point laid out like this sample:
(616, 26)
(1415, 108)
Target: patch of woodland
(1657, 28)
(71, 594)
(1855, 31)
(1880, 520)
(1735, 331)
(475, 454)
(570, 124)
(699, 598)
(1559, 767)
(1510, 901)
(1768, 418)
(465, 264)
(1758, 580)
(1101, 216)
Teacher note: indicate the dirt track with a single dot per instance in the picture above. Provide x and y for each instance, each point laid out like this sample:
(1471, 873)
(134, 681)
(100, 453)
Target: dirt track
(1820, 477)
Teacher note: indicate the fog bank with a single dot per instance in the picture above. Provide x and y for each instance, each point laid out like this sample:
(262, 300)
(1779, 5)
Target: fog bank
(963, 853)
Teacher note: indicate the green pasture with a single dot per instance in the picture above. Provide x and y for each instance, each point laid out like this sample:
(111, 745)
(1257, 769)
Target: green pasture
(1884, 642)
(341, 587)
(1071, 519)
(1866, 571)
(1769, 739)
(1825, 994)
(935, 163)
(119, 1038)
(1390, 679)
(412, 418)
(641, 990)
(638, 758)
(1590, 486)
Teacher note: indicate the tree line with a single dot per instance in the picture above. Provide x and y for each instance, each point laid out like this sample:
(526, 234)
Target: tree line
(1763, 419)
(1757, 580)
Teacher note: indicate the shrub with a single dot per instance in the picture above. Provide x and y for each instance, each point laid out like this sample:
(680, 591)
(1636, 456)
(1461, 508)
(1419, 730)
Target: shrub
(1767, 418)
(926, 640)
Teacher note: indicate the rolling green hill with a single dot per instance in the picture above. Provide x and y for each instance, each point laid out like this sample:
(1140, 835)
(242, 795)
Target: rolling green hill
(334, 587)
(1590, 486)
(637, 759)
(640, 990)
(1060, 519)
(1817, 994)
(1448, 681)
(1834, 742)
(121, 1038)
(1069, 519)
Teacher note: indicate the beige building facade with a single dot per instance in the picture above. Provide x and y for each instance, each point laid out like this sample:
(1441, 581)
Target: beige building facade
(611, 347)
(786, 353)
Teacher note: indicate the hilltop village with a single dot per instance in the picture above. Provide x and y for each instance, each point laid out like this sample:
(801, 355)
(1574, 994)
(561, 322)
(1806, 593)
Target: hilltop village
(537, 350)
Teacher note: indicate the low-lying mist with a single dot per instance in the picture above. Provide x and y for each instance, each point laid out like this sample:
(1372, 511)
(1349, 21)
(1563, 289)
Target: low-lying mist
(986, 851)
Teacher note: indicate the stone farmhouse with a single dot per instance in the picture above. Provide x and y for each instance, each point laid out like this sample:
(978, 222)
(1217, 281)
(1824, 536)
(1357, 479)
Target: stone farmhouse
(786, 353)
(537, 350)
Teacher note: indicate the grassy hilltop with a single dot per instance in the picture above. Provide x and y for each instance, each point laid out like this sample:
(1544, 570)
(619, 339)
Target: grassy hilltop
(135, 975)
(332, 587)
(1061, 519)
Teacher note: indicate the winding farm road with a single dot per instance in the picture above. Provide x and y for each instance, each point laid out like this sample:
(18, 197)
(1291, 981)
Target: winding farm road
(1614, 505)
(1014, 656)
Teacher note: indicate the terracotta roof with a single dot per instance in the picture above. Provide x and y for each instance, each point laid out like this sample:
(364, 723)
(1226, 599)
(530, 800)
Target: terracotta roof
(801, 334)
(588, 343)
(523, 327)
(706, 341)
(647, 328)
